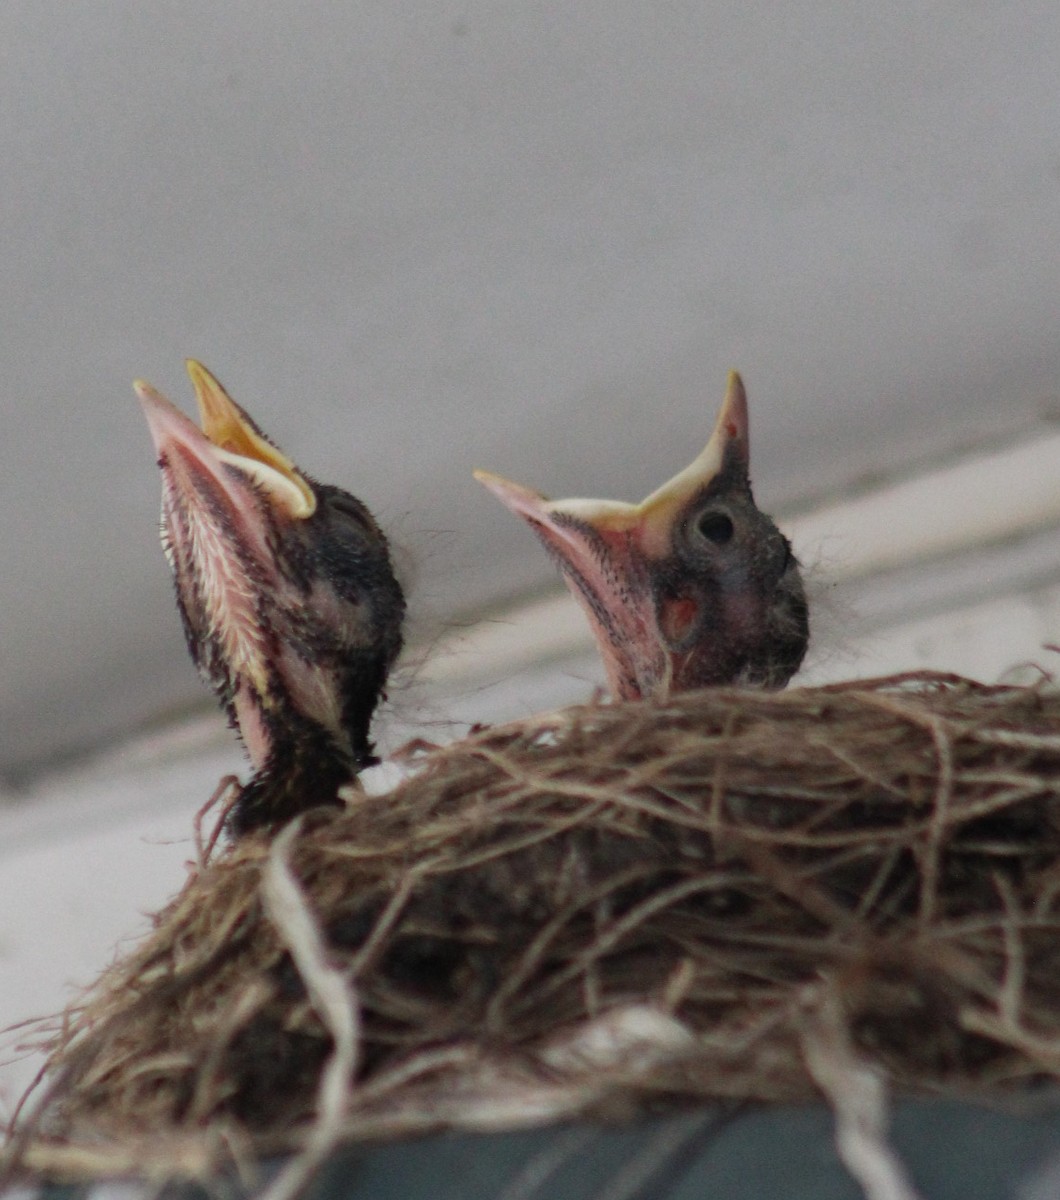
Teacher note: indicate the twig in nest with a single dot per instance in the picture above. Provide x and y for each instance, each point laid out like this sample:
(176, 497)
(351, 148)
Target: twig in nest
(937, 828)
(858, 1099)
(1007, 1024)
(334, 1002)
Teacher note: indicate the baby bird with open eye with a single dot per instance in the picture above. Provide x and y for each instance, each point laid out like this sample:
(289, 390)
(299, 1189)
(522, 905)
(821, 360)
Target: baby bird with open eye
(694, 586)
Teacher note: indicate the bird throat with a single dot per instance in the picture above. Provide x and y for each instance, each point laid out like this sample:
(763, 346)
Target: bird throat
(217, 588)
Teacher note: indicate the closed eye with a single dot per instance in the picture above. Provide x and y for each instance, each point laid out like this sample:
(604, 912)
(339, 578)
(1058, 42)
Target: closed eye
(349, 506)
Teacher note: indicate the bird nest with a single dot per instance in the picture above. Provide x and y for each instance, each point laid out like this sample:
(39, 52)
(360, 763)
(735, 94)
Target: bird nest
(596, 911)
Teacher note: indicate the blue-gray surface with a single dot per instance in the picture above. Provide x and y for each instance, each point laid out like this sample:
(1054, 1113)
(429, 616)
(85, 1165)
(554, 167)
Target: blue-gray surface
(952, 1152)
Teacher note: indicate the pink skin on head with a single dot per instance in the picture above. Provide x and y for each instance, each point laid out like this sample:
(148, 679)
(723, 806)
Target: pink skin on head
(212, 499)
(609, 550)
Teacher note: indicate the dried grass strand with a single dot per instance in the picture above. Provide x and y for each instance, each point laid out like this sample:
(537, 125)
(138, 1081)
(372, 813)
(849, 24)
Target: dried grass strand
(335, 1002)
(857, 1095)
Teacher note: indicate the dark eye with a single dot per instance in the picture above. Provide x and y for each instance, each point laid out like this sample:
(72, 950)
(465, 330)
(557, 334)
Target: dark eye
(716, 527)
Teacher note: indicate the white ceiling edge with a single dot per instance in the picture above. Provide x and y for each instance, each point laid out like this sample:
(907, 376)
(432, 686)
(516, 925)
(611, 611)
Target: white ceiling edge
(984, 498)
(1004, 639)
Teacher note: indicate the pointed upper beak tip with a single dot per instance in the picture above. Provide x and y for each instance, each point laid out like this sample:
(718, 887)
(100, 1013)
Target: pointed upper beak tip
(202, 381)
(217, 410)
(733, 415)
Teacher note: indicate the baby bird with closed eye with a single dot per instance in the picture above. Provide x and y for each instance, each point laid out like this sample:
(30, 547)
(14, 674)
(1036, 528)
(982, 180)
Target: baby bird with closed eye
(290, 607)
(694, 586)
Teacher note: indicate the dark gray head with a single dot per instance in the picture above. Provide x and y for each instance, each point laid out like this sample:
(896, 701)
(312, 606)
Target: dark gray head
(290, 606)
(692, 587)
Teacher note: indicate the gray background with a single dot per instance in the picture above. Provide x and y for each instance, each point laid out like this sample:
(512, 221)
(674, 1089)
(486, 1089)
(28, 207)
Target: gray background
(417, 238)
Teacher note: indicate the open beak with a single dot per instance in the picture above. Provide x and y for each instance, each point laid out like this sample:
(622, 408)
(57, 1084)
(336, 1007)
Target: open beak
(229, 437)
(608, 550)
(226, 492)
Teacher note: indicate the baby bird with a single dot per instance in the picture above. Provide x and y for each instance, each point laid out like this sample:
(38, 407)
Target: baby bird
(691, 588)
(290, 606)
